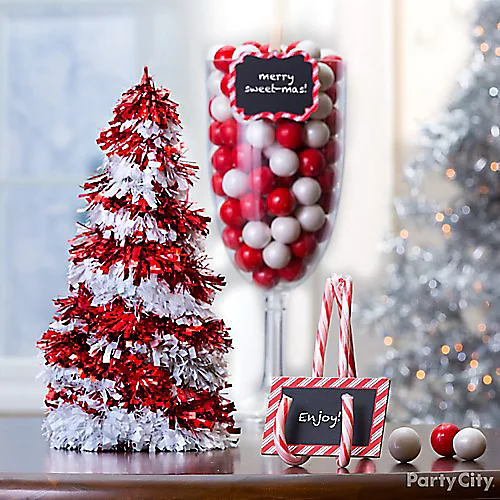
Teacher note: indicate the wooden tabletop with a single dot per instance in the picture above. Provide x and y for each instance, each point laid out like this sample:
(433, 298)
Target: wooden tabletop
(29, 469)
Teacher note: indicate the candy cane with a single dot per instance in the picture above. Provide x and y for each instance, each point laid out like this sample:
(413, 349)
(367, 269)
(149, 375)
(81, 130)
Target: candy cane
(347, 430)
(322, 331)
(337, 288)
(279, 434)
(342, 287)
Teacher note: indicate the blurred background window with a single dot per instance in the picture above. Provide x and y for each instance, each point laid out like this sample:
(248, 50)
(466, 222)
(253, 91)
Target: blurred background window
(63, 70)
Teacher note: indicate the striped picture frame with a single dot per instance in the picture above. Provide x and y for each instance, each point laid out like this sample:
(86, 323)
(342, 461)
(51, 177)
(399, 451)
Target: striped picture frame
(374, 447)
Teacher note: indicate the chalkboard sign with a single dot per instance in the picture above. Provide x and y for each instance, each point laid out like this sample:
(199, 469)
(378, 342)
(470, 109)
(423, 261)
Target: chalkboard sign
(314, 422)
(275, 87)
(315, 415)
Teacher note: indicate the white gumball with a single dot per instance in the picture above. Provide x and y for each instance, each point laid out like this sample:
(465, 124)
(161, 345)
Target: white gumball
(245, 49)
(213, 82)
(307, 190)
(270, 150)
(310, 47)
(316, 133)
(284, 162)
(235, 183)
(256, 234)
(260, 134)
(325, 106)
(326, 76)
(311, 218)
(285, 229)
(276, 255)
(404, 444)
(469, 443)
(220, 108)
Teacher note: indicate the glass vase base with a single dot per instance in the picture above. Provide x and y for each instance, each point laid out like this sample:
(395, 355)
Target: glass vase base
(253, 408)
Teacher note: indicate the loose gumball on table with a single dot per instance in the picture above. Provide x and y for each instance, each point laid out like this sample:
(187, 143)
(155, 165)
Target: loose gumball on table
(404, 444)
(442, 439)
(469, 443)
(277, 169)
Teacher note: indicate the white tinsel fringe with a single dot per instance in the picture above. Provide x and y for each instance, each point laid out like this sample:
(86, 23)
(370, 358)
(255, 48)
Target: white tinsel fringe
(200, 369)
(154, 295)
(69, 427)
(120, 224)
(126, 177)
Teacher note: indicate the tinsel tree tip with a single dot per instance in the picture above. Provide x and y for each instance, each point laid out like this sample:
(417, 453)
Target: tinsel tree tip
(145, 75)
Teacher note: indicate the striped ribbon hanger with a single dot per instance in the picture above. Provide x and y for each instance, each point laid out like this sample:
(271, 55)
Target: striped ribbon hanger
(338, 291)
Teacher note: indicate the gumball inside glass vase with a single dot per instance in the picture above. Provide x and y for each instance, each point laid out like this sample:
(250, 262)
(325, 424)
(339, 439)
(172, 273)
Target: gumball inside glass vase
(276, 147)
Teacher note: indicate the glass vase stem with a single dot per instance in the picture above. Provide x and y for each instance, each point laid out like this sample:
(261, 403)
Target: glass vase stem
(275, 307)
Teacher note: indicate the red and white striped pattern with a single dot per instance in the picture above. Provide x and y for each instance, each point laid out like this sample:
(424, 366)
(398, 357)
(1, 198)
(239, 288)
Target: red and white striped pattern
(279, 435)
(342, 287)
(347, 430)
(372, 450)
(339, 289)
(281, 114)
(323, 329)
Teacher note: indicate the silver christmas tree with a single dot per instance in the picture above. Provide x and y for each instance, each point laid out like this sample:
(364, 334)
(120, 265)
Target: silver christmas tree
(439, 316)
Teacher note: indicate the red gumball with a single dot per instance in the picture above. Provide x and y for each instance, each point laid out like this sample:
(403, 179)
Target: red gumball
(252, 206)
(292, 45)
(222, 159)
(332, 93)
(214, 133)
(248, 259)
(442, 439)
(281, 202)
(326, 202)
(224, 85)
(231, 236)
(286, 182)
(266, 277)
(223, 57)
(230, 213)
(326, 179)
(293, 271)
(337, 65)
(289, 134)
(323, 233)
(217, 184)
(304, 246)
(331, 151)
(244, 157)
(262, 180)
(312, 162)
(229, 132)
(333, 121)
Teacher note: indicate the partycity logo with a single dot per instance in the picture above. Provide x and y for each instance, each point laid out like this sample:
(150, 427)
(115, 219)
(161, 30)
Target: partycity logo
(462, 480)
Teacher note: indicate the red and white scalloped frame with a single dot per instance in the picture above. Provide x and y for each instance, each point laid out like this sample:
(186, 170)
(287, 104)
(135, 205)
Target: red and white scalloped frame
(281, 114)
(374, 447)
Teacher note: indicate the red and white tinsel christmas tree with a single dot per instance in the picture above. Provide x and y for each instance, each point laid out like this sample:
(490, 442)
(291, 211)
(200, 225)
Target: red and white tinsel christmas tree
(134, 357)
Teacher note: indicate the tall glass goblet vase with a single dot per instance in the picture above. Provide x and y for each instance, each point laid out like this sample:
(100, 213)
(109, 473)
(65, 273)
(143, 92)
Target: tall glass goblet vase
(276, 185)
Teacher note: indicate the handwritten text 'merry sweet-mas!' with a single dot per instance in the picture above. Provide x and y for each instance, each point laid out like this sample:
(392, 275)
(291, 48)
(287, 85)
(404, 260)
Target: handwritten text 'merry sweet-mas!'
(285, 84)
